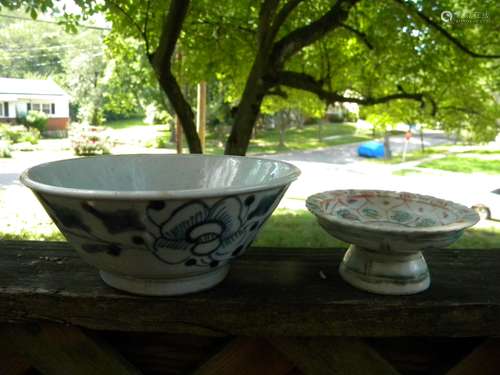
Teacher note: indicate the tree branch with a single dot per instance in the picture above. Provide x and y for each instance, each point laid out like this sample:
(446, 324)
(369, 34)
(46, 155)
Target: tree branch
(129, 17)
(361, 35)
(308, 34)
(444, 32)
(161, 61)
(306, 82)
(278, 92)
(170, 32)
(146, 39)
(283, 15)
(266, 14)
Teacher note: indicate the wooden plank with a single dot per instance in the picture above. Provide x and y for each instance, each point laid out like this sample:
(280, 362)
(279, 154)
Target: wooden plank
(333, 356)
(282, 292)
(57, 349)
(164, 353)
(246, 356)
(484, 360)
(423, 355)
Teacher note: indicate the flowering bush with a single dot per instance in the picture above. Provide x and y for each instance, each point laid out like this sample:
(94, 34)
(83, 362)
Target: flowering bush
(90, 140)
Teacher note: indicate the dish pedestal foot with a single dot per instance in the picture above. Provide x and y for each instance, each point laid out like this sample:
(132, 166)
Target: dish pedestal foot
(166, 287)
(385, 273)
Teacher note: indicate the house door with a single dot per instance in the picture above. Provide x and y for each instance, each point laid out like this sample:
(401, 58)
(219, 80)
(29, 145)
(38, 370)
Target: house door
(21, 109)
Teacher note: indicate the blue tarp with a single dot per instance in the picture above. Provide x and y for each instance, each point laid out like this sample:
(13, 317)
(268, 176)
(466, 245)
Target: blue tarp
(372, 149)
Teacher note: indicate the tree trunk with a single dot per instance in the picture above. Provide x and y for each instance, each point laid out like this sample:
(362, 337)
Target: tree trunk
(387, 146)
(422, 139)
(182, 108)
(248, 109)
(320, 130)
(300, 120)
(178, 135)
(282, 128)
(173, 132)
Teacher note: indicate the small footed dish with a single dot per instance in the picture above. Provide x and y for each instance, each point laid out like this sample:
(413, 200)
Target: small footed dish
(388, 231)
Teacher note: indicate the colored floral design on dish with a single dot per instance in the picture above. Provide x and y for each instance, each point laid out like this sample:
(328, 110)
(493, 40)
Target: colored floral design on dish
(388, 209)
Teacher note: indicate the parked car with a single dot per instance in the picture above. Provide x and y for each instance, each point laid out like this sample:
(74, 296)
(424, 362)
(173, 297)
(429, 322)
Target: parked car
(371, 149)
(489, 205)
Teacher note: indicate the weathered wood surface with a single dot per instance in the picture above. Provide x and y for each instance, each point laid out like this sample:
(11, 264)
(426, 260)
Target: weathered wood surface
(484, 360)
(60, 350)
(269, 292)
(246, 356)
(333, 355)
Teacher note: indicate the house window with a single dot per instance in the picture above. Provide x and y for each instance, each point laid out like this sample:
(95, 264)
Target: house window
(46, 108)
(4, 109)
(1, 109)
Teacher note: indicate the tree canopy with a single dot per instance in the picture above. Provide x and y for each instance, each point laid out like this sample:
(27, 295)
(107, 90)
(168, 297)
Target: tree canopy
(401, 57)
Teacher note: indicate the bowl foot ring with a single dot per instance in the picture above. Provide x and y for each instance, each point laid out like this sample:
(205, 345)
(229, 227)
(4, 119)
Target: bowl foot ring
(166, 287)
(385, 273)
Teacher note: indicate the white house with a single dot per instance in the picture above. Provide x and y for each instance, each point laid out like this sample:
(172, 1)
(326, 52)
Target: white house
(18, 96)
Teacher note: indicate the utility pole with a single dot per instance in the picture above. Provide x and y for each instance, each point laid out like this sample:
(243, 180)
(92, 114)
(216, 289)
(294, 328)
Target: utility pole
(201, 112)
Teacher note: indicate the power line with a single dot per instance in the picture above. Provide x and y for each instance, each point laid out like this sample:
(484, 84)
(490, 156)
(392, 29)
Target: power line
(39, 48)
(54, 22)
(54, 63)
(29, 55)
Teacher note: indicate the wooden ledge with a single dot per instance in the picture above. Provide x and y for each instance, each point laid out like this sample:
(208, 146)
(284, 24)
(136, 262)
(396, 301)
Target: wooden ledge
(269, 292)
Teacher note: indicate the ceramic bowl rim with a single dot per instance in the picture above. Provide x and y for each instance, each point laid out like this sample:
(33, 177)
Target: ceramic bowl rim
(291, 176)
(470, 216)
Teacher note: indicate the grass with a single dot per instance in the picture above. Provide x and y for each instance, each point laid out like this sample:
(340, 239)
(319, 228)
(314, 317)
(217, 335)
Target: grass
(123, 124)
(266, 142)
(298, 228)
(406, 172)
(415, 156)
(454, 163)
(306, 138)
(295, 228)
(481, 152)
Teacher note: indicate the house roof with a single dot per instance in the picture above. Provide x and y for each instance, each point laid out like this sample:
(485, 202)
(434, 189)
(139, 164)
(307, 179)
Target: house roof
(30, 87)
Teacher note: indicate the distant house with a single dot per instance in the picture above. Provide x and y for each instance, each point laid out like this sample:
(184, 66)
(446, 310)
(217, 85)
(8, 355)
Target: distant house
(19, 96)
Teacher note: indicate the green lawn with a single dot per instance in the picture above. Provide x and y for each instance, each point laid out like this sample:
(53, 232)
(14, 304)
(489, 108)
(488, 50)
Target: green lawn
(298, 228)
(266, 142)
(406, 172)
(123, 124)
(454, 163)
(416, 155)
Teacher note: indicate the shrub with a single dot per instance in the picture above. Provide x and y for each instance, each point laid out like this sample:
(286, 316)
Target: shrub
(90, 140)
(37, 120)
(162, 141)
(31, 135)
(155, 115)
(350, 117)
(335, 117)
(19, 134)
(5, 149)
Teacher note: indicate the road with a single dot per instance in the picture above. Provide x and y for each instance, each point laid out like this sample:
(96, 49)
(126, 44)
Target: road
(341, 168)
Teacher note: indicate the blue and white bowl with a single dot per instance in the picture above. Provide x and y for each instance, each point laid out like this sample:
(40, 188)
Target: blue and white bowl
(160, 224)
